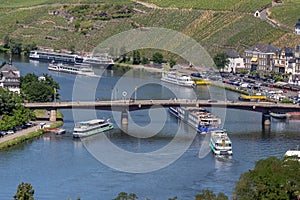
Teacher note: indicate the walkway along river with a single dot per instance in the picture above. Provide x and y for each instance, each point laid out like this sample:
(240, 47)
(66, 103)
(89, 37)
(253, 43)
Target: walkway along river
(60, 167)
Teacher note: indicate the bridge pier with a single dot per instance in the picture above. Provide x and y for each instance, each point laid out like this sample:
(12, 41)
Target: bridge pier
(266, 119)
(124, 117)
(52, 115)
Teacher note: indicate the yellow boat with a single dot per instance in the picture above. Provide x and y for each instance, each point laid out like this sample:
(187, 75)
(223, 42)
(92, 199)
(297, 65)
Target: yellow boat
(202, 82)
(252, 97)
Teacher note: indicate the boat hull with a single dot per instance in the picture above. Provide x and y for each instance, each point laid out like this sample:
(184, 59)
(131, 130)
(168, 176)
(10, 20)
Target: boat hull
(93, 132)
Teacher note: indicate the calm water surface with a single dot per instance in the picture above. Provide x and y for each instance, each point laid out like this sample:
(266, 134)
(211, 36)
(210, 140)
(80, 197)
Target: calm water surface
(59, 167)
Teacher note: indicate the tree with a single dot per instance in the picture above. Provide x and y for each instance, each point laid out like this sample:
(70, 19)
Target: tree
(221, 60)
(157, 58)
(209, 195)
(15, 46)
(34, 90)
(24, 192)
(136, 57)
(145, 61)
(172, 62)
(123, 54)
(271, 178)
(6, 41)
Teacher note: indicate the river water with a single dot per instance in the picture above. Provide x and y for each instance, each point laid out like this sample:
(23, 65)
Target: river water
(60, 167)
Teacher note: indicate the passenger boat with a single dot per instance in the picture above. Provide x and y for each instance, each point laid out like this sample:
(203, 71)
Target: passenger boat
(178, 79)
(91, 127)
(257, 97)
(101, 60)
(278, 115)
(46, 56)
(293, 115)
(294, 154)
(220, 143)
(65, 68)
(199, 118)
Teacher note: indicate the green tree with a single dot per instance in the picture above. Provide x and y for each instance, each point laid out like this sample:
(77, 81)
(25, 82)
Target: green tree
(172, 62)
(221, 60)
(123, 54)
(157, 58)
(15, 46)
(209, 195)
(34, 90)
(24, 192)
(271, 178)
(136, 57)
(6, 41)
(145, 61)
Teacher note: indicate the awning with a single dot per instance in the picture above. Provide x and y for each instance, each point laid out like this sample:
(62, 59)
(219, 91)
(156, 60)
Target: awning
(253, 59)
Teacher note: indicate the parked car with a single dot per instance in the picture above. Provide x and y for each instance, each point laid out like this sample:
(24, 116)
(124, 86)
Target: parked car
(10, 132)
(2, 133)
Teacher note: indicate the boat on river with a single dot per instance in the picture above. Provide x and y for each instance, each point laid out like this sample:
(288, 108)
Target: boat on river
(77, 69)
(91, 127)
(293, 115)
(198, 118)
(100, 60)
(220, 143)
(278, 115)
(178, 79)
(48, 56)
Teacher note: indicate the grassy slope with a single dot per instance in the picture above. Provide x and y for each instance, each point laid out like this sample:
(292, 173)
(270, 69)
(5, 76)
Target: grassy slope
(215, 30)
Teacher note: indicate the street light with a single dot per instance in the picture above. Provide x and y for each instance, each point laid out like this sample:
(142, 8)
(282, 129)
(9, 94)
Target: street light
(135, 92)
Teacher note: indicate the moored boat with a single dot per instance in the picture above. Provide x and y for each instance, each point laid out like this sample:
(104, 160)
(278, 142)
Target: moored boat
(293, 115)
(278, 115)
(101, 60)
(220, 143)
(178, 79)
(53, 56)
(65, 68)
(198, 118)
(91, 127)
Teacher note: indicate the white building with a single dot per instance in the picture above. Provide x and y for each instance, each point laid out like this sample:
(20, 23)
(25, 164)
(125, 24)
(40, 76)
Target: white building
(10, 77)
(236, 62)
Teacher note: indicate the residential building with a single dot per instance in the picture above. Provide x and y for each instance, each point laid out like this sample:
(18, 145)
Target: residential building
(260, 57)
(236, 62)
(10, 77)
(282, 59)
(297, 27)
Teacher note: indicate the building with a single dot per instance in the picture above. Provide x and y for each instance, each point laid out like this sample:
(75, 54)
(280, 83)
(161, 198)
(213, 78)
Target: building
(10, 77)
(283, 60)
(297, 27)
(260, 57)
(236, 62)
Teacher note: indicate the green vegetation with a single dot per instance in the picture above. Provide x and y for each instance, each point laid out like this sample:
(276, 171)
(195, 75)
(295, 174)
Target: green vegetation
(24, 192)
(157, 58)
(21, 139)
(271, 179)
(231, 5)
(12, 111)
(286, 100)
(221, 60)
(82, 26)
(35, 90)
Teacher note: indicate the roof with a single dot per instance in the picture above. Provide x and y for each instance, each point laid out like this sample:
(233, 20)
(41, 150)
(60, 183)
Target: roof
(8, 67)
(231, 53)
(264, 48)
(10, 74)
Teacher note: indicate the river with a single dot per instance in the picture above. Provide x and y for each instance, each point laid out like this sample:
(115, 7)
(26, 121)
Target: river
(60, 167)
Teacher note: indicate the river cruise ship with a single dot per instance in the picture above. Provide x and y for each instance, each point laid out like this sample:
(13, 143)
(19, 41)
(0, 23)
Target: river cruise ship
(199, 118)
(178, 79)
(100, 60)
(46, 56)
(78, 70)
(220, 143)
(91, 127)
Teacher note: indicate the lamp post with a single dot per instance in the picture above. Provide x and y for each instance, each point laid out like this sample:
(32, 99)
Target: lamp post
(135, 92)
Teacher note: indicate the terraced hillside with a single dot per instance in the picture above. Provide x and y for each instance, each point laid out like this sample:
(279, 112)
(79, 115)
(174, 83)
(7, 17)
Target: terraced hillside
(69, 24)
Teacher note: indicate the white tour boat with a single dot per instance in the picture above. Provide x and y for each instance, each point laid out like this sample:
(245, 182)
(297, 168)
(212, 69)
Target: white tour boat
(99, 60)
(178, 79)
(91, 127)
(80, 70)
(199, 118)
(220, 143)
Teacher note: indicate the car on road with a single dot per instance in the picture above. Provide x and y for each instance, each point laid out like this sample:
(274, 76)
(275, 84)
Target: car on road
(10, 132)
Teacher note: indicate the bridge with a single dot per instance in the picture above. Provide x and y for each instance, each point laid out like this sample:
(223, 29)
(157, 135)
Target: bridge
(124, 106)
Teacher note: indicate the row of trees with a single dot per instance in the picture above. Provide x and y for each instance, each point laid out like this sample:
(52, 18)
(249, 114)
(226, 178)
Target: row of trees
(16, 46)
